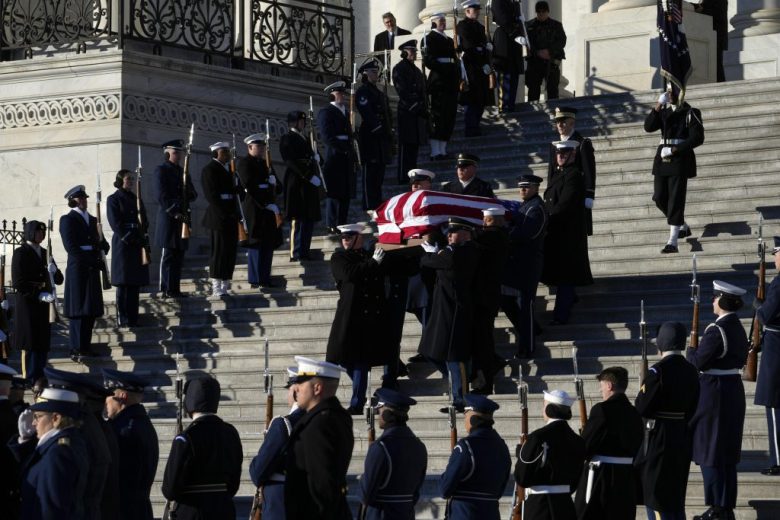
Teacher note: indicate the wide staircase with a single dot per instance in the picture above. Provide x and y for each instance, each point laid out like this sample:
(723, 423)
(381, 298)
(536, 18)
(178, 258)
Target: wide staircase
(737, 179)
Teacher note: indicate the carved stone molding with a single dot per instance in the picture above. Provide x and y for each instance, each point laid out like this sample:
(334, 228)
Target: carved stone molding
(59, 111)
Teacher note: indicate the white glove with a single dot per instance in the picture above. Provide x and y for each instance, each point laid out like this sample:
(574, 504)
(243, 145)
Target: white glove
(5, 305)
(663, 99)
(520, 40)
(52, 268)
(3, 337)
(379, 255)
(315, 180)
(666, 151)
(589, 203)
(317, 157)
(489, 46)
(272, 180)
(430, 248)
(25, 425)
(272, 207)
(46, 297)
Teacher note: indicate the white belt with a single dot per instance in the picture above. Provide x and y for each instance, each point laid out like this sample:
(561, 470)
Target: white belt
(226, 196)
(548, 490)
(671, 141)
(595, 462)
(722, 372)
(445, 60)
(86, 248)
(770, 329)
(342, 137)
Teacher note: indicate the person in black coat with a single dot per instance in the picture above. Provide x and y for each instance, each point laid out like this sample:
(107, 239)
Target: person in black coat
(394, 469)
(720, 415)
(9, 476)
(320, 447)
(410, 85)
(32, 282)
(468, 183)
(507, 53)
(612, 435)
(386, 39)
(524, 264)
(137, 440)
(373, 134)
(547, 41)
(667, 401)
(475, 49)
(719, 11)
(438, 54)
(83, 289)
(260, 210)
(302, 185)
(675, 162)
(550, 461)
(566, 263)
(338, 170)
(203, 471)
(128, 273)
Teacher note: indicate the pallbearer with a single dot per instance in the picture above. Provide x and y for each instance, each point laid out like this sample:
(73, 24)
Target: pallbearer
(720, 416)
(440, 59)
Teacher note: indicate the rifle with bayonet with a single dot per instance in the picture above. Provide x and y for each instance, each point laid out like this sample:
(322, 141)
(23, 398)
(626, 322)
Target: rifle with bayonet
(54, 313)
(751, 365)
(388, 112)
(452, 418)
(464, 77)
(243, 230)
(104, 277)
(186, 210)
(370, 412)
(4, 348)
(352, 135)
(169, 512)
(143, 225)
(522, 396)
(313, 143)
(580, 389)
(426, 102)
(256, 512)
(488, 45)
(645, 339)
(695, 298)
(270, 165)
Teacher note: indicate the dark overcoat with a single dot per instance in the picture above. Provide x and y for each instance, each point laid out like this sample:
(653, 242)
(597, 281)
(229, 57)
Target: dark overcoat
(527, 232)
(549, 35)
(668, 399)
(219, 189)
(382, 42)
(317, 461)
(685, 127)
(443, 79)
(473, 43)
(301, 197)
(566, 245)
(110, 505)
(170, 200)
(720, 416)
(768, 384)
(127, 241)
(261, 222)
(336, 134)
(30, 276)
(9, 477)
(586, 161)
(374, 130)
(494, 242)
(409, 83)
(83, 289)
(507, 53)
(476, 187)
(99, 463)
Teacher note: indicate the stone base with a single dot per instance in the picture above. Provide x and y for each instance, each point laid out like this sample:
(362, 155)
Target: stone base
(753, 57)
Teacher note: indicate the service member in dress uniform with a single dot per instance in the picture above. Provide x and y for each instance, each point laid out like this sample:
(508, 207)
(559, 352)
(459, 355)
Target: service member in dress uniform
(768, 385)
(720, 416)
(32, 283)
(479, 465)
(338, 169)
(394, 469)
(137, 438)
(667, 401)
(204, 467)
(468, 183)
(268, 467)
(507, 52)
(409, 83)
(525, 263)
(566, 262)
(373, 133)
(550, 461)
(260, 210)
(128, 273)
(475, 48)
(55, 467)
(320, 446)
(544, 64)
(586, 160)
(439, 57)
(9, 478)
(612, 435)
(675, 162)
(170, 216)
(83, 290)
(301, 186)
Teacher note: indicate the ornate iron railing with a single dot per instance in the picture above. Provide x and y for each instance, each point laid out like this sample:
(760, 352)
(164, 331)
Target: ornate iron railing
(10, 235)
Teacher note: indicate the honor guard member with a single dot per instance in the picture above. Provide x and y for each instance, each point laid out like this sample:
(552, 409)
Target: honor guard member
(586, 160)
(507, 52)
(613, 435)
(544, 64)
(675, 162)
(440, 59)
(524, 264)
(550, 461)
(9, 485)
(221, 217)
(302, 186)
(320, 447)
(768, 385)
(475, 49)
(338, 170)
(373, 134)
(204, 467)
(395, 464)
(83, 291)
(566, 262)
(667, 401)
(128, 273)
(137, 439)
(386, 39)
(267, 469)
(409, 83)
(55, 466)
(479, 465)
(720, 416)
(468, 183)
(418, 295)
(32, 282)
(260, 210)
(169, 177)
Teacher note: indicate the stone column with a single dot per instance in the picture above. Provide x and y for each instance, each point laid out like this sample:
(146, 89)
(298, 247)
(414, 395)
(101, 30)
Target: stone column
(754, 44)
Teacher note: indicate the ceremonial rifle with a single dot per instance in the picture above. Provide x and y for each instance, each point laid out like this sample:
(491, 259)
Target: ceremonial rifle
(256, 512)
(464, 77)
(4, 350)
(353, 137)
(243, 231)
(313, 142)
(101, 237)
(370, 411)
(186, 224)
(580, 388)
(388, 113)
(522, 395)
(426, 103)
(452, 418)
(270, 165)
(169, 512)
(644, 338)
(143, 225)
(751, 366)
(54, 313)
(695, 300)
(492, 73)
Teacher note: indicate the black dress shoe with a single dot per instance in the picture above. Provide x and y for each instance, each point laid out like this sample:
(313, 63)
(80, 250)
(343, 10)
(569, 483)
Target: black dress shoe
(772, 471)
(483, 390)
(713, 513)
(417, 358)
(355, 410)
(669, 248)
(88, 352)
(555, 323)
(75, 355)
(684, 233)
(402, 370)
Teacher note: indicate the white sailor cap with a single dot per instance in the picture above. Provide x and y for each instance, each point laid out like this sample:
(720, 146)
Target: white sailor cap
(338, 86)
(57, 400)
(776, 249)
(720, 287)
(308, 368)
(221, 144)
(6, 373)
(255, 138)
(438, 16)
(563, 145)
(470, 3)
(558, 397)
(351, 229)
(493, 212)
(58, 394)
(418, 174)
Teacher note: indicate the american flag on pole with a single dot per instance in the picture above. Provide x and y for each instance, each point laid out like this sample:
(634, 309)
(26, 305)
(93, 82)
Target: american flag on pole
(675, 57)
(413, 214)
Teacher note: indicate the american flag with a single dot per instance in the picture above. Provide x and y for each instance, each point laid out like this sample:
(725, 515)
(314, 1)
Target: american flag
(413, 214)
(675, 57)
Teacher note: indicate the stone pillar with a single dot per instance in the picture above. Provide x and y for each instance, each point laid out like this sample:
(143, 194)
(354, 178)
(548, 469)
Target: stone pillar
(754, 44)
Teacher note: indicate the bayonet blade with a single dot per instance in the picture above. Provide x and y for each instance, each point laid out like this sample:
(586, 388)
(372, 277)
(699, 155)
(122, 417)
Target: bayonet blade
(574, 363)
